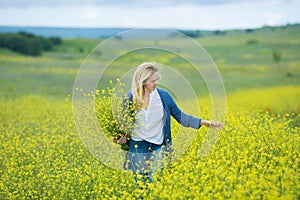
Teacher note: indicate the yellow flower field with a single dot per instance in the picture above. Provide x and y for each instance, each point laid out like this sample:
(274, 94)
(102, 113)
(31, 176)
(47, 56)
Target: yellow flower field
(256, 156)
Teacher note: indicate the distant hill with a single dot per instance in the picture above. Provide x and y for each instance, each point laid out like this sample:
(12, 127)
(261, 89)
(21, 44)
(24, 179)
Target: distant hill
(64, 32)
(83, 32)
(107, 32)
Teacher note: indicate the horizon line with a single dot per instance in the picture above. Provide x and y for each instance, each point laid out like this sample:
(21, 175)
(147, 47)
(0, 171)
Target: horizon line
(121, 27)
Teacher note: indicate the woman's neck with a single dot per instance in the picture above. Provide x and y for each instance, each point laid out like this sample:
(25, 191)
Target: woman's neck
(146, 99)
(147, 92)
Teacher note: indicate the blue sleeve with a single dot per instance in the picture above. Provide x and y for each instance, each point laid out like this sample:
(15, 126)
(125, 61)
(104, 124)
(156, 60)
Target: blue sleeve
(181, 117)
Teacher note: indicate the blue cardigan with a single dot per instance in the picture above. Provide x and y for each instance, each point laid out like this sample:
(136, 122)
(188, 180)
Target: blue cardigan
(171, 109)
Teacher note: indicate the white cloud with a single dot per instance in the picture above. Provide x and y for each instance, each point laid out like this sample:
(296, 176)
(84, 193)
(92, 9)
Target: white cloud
(208, 16)
(272, 18)
(127, 3)
(90, 13)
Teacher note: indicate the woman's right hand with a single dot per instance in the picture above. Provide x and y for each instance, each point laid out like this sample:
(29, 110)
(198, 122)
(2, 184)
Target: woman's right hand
(120, 140)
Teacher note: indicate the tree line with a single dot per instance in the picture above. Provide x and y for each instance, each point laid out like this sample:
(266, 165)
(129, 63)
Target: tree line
(27, 43)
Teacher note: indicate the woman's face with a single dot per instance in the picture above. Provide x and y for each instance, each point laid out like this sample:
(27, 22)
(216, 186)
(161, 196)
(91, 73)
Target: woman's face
(151, 82)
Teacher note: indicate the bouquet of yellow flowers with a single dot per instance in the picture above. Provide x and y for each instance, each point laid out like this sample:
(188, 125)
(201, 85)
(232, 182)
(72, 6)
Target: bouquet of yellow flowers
(115, 113)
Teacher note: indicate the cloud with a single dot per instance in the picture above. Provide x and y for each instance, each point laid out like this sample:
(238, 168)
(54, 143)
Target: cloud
(136, 3)
(203, 14)
(272, 18)
(90, 13)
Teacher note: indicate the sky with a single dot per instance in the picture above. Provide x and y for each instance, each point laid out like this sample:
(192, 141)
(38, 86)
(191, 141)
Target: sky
(179, 14)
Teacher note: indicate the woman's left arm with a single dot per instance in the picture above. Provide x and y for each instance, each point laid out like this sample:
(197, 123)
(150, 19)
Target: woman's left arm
(183, 118)
(212, 124)
(191, 121)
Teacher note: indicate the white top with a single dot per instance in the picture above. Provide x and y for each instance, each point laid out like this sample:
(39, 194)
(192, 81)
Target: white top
(149, 123)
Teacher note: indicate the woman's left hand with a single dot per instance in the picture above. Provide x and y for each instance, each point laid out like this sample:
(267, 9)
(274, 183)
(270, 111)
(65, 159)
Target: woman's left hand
(218, 126)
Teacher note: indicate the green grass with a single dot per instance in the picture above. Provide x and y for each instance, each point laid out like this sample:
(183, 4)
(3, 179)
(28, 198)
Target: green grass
(242, 65)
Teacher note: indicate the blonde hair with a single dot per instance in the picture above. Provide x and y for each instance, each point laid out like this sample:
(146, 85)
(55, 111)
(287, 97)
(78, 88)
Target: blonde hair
(141, 75)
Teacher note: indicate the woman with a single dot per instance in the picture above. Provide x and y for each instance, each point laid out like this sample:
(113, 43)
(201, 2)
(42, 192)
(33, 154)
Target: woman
(151, 135)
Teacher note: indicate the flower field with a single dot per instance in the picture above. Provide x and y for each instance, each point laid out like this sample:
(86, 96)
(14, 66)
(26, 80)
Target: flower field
(257, 156)
(42, 157)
